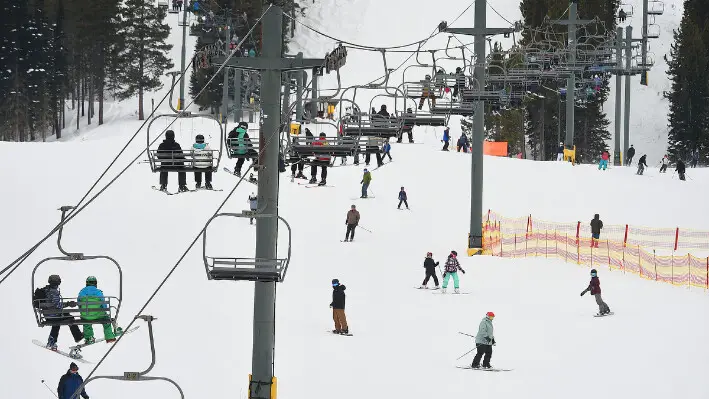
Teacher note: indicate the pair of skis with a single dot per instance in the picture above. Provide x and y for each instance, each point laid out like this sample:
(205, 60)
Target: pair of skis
(75, 351)
(440, 292)
(182, 192)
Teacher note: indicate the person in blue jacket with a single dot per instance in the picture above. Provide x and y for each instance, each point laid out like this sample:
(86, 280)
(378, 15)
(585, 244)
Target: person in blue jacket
(385, 149)
(402, 198)
(93, 307)
(446, 138)
(70, 382)
(463, 143)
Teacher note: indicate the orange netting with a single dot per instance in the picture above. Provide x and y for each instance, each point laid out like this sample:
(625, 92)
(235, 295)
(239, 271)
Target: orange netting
(620, 247)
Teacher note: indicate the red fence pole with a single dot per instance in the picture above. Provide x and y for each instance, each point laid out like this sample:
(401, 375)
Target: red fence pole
(676, 237)
(640, 265)
(500, 234)
(578, 229)
(625, 238)
(707, 280)
(546, 244)
(654, 260)
(608, 247)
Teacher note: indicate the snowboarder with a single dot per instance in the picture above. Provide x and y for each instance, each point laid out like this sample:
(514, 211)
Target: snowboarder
(322, 160)
(630, 155)
(386, 148)
(560, 152)
(484, 340)
(430, 265)
(402, 198)
(253, 205)
(596, 226)
(463, 143)
(408, 128)
(642, 164)
(452, 267)
(595, 288)
(622, 15)
(446, 138)
(202, 159)
(604, 161)
(338, 307)
(366, 179)
(53, 300)
(665, 161)
(70, 382)
(240, 145)
(680, 169)
(170, 150)
(93, 306)
(352, 220)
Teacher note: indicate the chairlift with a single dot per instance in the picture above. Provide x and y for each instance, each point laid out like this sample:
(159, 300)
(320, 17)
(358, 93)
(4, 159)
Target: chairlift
(653, 31)
(655, 7)
(372, 125)
(246, 269)
(162, 4)
(48, 315)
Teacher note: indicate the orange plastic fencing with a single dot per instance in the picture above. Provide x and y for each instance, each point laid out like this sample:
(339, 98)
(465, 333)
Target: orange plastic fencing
(632, 250)
(498, 148)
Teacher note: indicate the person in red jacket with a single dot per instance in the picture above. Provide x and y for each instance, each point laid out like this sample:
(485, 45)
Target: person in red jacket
(595, 288)
(604, 161)
(321, 160)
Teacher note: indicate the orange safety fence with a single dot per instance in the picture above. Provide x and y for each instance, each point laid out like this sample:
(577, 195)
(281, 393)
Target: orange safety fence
(525, 237)
(497, 148)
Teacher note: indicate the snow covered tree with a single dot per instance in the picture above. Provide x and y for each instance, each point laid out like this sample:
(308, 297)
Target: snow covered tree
(143, 57)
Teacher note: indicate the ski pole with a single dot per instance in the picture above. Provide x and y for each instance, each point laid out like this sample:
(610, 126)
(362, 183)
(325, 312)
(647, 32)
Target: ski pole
(466, 353)
(50, 389)
(365, 229)
(370, 190)
(466, 334)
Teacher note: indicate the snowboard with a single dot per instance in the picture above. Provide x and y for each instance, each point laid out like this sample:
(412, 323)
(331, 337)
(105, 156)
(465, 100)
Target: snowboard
(495, 370)
(603, 315)
(60, 352)
(79, 346)
(346, 335)
(255, 181)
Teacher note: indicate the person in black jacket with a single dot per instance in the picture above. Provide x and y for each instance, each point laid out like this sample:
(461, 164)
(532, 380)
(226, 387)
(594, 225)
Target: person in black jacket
(642, 164)
(70, 382)
(680, 169)
(630, 155)
(596, 226)
(338, 307)
(407, 127)
(383, 111)
(171, 153)
(430, 265)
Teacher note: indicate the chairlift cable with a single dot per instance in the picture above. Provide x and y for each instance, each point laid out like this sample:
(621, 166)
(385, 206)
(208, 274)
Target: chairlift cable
(500, 15)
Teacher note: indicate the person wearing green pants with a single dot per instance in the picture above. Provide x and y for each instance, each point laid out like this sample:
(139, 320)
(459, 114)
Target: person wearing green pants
(92, 308)
(451, 270)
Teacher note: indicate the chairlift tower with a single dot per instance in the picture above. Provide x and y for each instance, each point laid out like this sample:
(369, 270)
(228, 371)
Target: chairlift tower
(181, 100)
(480, 31)
(271, 64)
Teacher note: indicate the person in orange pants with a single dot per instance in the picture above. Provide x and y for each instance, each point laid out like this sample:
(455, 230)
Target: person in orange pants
(338, 308)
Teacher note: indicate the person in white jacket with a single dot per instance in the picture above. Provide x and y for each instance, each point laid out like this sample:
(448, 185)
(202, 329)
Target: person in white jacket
(202, 159)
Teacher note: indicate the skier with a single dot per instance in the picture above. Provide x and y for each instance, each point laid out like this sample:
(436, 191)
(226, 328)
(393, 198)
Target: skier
(53, 300)
(484, 340)
(253, 205)
(596, 226)
(338, 307)
(70, 382)
(604, 161)
(240, 145)
(446, 138)
(595, 288)
(680, 169)
(170, 150)
(202, 159)
(408, 128)
(322, 160)
(665, 161)
(402, 198)
(430, 265)
(695, 158)
(93, 306)
(452, 267)
(560, 152)
(366, 179)
(297, 163)
(630, 155)
(352, 220)
(372, 147)
(642, 164)
(622, 15)
(386, 150)
(427, 92)
(463, 143)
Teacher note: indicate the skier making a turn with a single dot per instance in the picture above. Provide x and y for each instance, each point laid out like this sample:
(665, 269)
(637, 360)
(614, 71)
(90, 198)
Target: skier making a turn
(595, 288)
(452, 267)
(484, 340)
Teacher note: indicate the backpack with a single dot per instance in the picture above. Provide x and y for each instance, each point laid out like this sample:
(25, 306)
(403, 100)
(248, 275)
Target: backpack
(40, 294)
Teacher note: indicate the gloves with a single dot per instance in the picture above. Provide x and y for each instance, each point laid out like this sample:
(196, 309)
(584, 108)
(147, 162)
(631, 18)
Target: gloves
(493, 341)
(462, 271)
(489, 341)
(444, 274)
(70, 304)
(437, 263)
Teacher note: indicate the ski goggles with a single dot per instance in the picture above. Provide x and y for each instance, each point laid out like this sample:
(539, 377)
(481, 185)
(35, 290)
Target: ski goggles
(335, 284)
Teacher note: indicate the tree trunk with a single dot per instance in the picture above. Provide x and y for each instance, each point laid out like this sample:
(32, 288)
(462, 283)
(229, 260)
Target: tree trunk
(141, 60)
(100, 102)
(82, 94)
(90, 99)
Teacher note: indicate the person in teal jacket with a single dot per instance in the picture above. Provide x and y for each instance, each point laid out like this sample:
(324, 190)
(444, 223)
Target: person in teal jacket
(91, 310)
(484, 340)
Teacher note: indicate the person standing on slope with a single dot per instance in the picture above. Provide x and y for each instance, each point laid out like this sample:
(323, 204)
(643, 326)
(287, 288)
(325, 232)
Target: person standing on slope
(351, 221)
(366, 179)
(402, 198)
(484, 340)
(94, 306)
(630, 155)
(253, 205)
(642, 164)
(665, 161)
(595, 288)
(446, 138)
(463, 143)
(386, 150)
(604, 161)
(560, 152)
(596, 226)
(338, 308)
(452, 267)
(70, 382)
(430, 265)
(680, 169)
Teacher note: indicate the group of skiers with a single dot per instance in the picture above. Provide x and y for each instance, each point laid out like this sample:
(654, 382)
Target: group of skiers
(172, 156)
(642, 162)
(463, 144)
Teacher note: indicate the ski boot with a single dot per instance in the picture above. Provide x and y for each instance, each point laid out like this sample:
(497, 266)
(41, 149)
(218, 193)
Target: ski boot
(51, 344)
(183, 189)
(487, 367)
(313, 181)
(443, 290)
(457, 291)
(345, 331)
(197, 186)
(300, 175)
(89, 341)
(208, 186)
(436, 288)
(474, 366)
(237, 173)
(423, 287)
(163, 187)
(322, 183)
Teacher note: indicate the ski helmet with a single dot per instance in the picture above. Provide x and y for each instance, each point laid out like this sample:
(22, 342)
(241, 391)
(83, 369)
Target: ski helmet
(454, 253)
(335, 282)
(490, 315)
(199, 138)
(91, 280)
(593, 272)
(54, 280)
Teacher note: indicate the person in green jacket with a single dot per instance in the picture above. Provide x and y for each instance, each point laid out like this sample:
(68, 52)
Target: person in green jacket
(484, 340)
(366, 179)
(240, 145)
(94, 306)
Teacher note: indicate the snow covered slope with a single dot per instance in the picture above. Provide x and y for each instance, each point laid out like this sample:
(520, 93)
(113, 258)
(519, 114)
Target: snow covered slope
(544, 330)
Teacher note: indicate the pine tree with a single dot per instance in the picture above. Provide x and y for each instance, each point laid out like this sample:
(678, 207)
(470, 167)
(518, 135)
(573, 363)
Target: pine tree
(144, 55)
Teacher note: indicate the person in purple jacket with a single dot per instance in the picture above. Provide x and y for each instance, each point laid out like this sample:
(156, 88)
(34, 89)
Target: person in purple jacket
(595, 288)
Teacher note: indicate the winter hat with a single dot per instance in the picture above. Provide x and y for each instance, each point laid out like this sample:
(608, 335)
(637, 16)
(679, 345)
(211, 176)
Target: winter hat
(490, 315)
(353, 206)
(429, 254)
(73, 366)
(365, 170)
(199, 138)
(454, 253)
(402, 188)
(335, 282)
(322, 134)
(170, 135)
(54, 280)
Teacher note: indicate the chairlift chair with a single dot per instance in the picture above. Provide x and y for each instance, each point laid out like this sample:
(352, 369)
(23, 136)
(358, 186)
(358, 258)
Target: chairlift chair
(653, 31)
(245, 269)
(655, 7)
(162, 4)
(372, 125)
(185, 160)
(47, 315)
